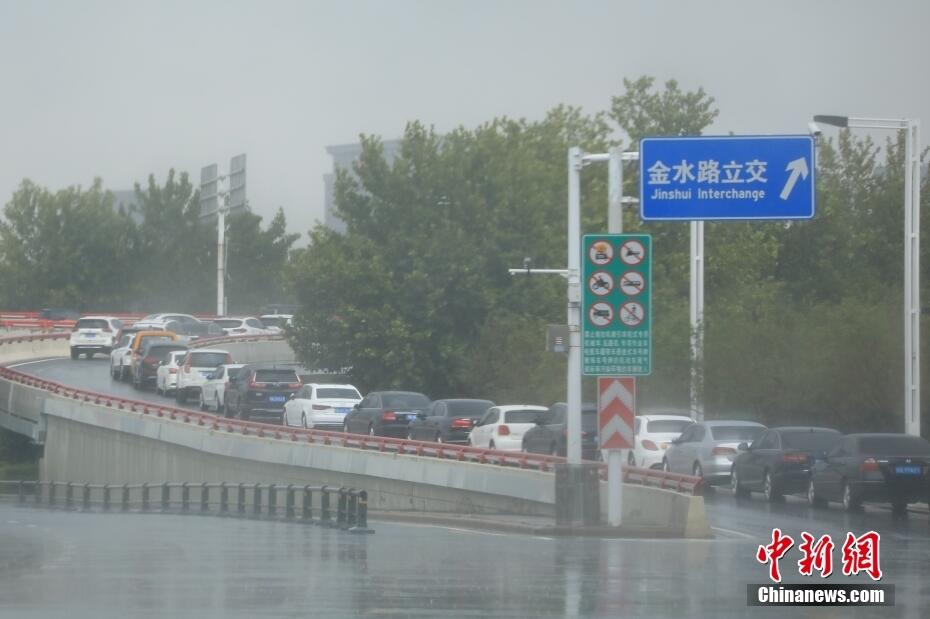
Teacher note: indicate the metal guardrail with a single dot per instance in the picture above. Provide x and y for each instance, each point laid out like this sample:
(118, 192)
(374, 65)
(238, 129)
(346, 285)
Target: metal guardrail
(463, 453)
(329, 506)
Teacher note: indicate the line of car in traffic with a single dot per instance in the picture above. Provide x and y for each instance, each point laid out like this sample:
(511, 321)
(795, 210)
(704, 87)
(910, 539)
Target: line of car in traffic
(820, 463)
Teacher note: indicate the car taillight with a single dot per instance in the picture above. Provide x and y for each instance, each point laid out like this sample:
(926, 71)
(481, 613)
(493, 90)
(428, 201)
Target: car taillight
(252, 383)
(461, 423)
(150, 360)
(722, 451)
(647, 444)
(172, 370)
(869, 464)
(388, 416)
(503, 430)
(794, 458)
(320, 407)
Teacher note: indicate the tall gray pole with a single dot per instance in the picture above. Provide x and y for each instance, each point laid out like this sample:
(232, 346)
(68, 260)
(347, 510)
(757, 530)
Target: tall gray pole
(573, 400)
(615, 457)
(221, 261)
(697, 321)
(912, 278)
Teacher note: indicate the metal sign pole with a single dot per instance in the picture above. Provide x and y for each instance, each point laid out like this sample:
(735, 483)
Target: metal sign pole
(912, 278)
(697, 321)
(615, 457)
(573, 401)
(221, 261)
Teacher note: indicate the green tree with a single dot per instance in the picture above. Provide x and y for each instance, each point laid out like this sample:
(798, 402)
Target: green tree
(67, 248)
(257, 260)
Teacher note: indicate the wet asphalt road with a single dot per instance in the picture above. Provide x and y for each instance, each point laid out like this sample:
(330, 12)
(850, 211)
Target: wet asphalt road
(55, 564)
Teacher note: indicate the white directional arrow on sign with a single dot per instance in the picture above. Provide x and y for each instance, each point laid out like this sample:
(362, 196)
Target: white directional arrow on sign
(616, 408)
(617, 391)
(798, 167)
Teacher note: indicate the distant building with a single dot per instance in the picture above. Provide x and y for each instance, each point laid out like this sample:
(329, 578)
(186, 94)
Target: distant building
(127, 200)
(344, 155)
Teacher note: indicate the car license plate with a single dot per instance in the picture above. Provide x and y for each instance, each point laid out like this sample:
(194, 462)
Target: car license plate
(276, 398)
(342, 411)
(908, 469)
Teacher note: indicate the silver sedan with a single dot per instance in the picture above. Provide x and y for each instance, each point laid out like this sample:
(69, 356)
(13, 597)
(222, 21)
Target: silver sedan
(707, 449)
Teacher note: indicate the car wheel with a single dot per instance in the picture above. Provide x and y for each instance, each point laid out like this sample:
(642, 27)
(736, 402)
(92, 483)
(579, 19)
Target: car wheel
(345, 427)
(75, 354)
(201, 401)
(553, 449)
(736, 485)
(812, 497)
(371, 431)
(303, 421)
(122, 374)
(491, 445)
(769, 489)
(222, 409)
(631, 459)
(439, 438)
(850, 500)
(696, 470)
(665, 466)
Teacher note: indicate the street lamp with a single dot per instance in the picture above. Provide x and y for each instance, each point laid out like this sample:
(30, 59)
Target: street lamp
(911, 252)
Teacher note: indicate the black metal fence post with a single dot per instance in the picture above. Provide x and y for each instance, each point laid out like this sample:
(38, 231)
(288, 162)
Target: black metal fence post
(352, 514)
(21, 491)
(106, 497)
(124, 501)
(361, 513)
(38, 495)
(69, 495)
(165, 497)
(257, 501)
(85, 498)
(325, 515)
(204, 498)
(51, 493)
(307, 504)
(224, 498)
(240, 500)
(185, 498)
(289, 504)
(272, 500)
(341, 509)
(145, 497)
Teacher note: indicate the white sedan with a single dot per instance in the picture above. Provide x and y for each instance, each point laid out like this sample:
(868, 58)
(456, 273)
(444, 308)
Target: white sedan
(213, 391)
(503, 427)
(321, 406)
(166, 377)
(652, 434)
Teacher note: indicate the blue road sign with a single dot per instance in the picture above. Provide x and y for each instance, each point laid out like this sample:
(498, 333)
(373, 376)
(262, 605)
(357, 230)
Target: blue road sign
(733, 177)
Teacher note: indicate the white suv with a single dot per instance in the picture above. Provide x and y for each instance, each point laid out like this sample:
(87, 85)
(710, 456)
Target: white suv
(247, 325)
(93, 334)
(195, 368)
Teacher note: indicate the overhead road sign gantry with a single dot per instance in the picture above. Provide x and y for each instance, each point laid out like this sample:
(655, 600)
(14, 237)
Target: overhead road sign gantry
(728, 177)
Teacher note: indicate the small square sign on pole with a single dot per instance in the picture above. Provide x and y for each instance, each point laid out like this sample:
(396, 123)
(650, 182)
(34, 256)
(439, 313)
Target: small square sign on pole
(616, 411)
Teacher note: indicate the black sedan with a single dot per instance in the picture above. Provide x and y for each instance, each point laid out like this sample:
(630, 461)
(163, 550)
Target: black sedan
(885, 468)
(779, 461)
(385, 413)
(550, 436)
(448, 421)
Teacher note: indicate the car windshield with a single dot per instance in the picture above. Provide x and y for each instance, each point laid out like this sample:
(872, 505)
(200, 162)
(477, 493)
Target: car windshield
(894, 446)
(275, 376)
(817, 440)
(208, 359)
(146, 339)
(337, 393)
(745, 434)
(404, 400)
(161, 352)
(474, 408)
(667, 426)
(92, 323)
(522, 415)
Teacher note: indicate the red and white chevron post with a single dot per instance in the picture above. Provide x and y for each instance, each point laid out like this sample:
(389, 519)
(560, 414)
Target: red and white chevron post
(616, 409)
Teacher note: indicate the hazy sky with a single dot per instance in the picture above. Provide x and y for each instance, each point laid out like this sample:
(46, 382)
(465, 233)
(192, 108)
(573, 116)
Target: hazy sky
(122, 89)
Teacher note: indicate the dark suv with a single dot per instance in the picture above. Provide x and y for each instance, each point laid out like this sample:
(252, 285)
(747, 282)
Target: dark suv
(259, 392)
(385, 413)
(145, 365)
(550, 435)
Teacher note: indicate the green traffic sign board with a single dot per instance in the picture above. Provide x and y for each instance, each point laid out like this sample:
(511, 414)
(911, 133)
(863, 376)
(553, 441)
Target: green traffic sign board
(616, 308)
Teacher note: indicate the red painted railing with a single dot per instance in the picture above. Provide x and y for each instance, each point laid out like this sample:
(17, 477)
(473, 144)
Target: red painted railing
(463, 453)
